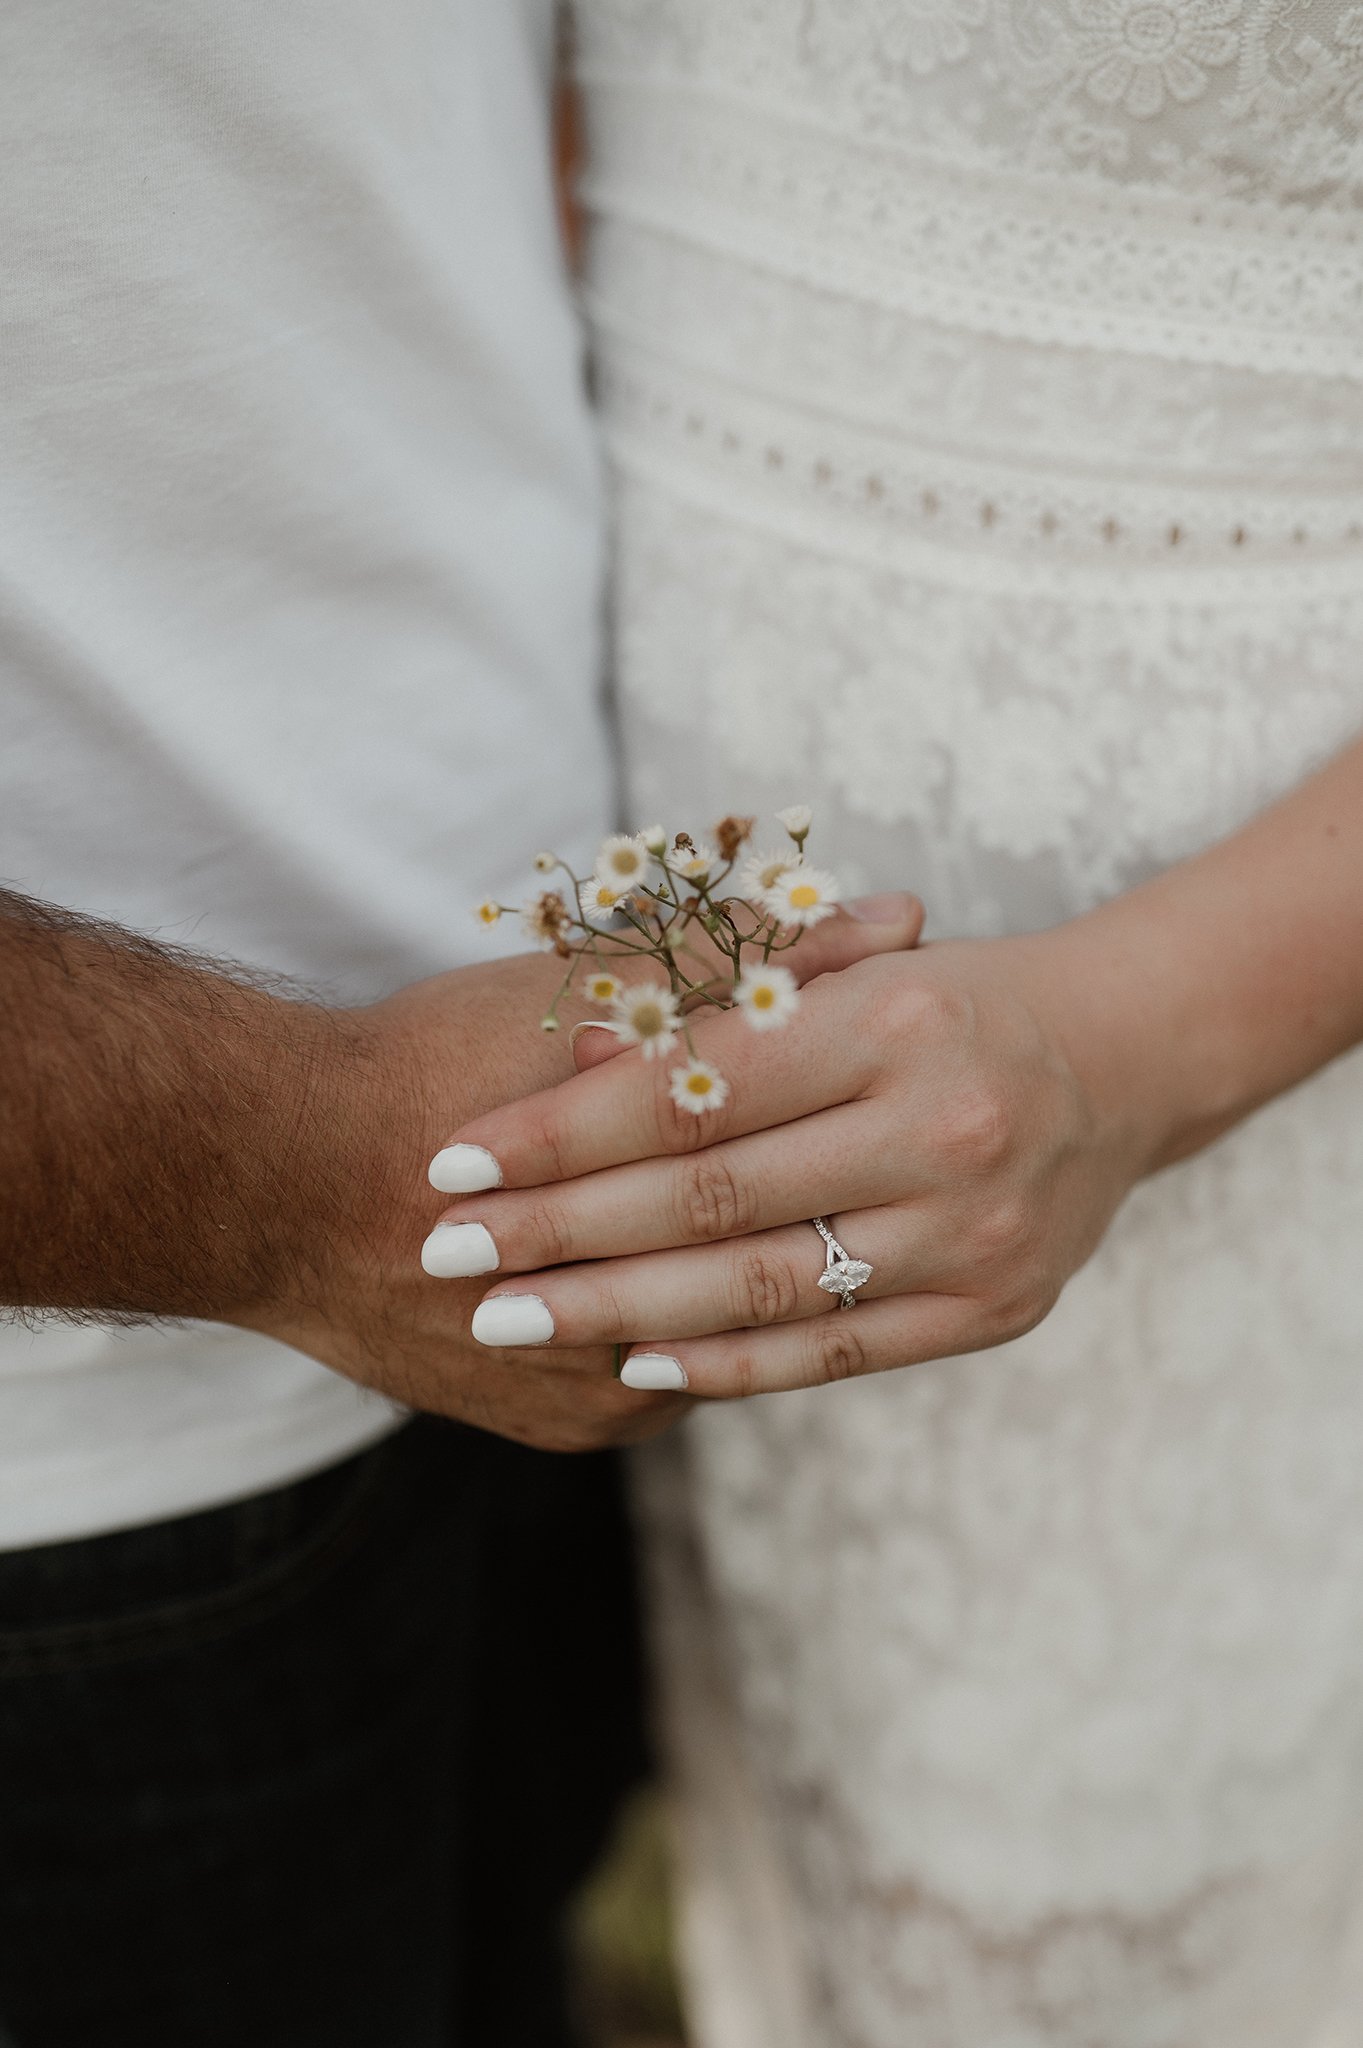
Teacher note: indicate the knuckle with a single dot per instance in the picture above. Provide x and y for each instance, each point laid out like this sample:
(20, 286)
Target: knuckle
(744, 1379)
(975, 1132)
(914, 1008)
(679, 1131)
(839, 1353)
(542, 1137)
(711, 1200)
(541, 1233)
(1002, 1232)
(764, 1289)
(1020, 1309)
(608, 1313)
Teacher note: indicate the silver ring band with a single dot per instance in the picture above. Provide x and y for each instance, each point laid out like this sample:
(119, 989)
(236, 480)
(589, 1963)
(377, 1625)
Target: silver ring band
(842, 1274)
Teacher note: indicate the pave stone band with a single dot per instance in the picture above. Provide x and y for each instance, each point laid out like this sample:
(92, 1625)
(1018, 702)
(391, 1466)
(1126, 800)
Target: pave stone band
(842, 1274)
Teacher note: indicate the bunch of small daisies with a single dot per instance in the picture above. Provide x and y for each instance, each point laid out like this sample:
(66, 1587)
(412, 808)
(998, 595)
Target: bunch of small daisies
(649, 896)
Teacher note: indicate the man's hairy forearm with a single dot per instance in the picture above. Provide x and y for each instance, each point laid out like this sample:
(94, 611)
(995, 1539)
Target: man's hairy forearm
(179, 1139)
(158, 1116)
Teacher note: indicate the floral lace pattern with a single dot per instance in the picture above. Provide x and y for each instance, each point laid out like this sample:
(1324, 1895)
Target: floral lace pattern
(1214, 97)
(1133, 52)
(983, 381)
(914, 37)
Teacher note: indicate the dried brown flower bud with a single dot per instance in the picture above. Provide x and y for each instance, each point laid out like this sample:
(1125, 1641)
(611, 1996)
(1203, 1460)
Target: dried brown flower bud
(731, 833)
(546, 918)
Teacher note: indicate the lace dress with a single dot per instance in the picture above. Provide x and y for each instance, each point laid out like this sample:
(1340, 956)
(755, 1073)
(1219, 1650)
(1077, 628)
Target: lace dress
(984, 387)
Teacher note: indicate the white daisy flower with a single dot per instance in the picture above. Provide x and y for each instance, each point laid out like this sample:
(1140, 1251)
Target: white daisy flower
(602, 987)
(802, 896)
(696, 865)
(488, 912)
(623, 863)
(598, 903)
(797, 819)
(545, 863)
(762, 871)
(767, 996)
(655, 839)
(698, 1087)
(646, 1016)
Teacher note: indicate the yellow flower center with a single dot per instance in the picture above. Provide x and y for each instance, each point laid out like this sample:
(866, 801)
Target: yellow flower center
(698, 1084)
(625, 861)
(803, 896)
(763, 998)
(648, 1020)
(603, 987)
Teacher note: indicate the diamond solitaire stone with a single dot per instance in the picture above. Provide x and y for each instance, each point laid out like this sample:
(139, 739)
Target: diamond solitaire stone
(844, 1277)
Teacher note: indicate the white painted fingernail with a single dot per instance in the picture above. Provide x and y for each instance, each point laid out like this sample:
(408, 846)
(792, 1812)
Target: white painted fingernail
(454, 1251)
(653, 1372)
(513, 1319)
(464, 1170)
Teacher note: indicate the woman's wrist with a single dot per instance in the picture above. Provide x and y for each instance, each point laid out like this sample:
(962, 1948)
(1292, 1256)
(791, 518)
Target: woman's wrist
(1160, 1048)
(1193, 999)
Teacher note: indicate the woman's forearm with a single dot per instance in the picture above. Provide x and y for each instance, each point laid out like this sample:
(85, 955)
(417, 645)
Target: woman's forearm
(1230, 977)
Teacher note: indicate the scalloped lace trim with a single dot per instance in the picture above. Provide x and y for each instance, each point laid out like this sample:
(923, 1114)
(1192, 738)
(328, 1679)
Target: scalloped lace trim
(1041, 256)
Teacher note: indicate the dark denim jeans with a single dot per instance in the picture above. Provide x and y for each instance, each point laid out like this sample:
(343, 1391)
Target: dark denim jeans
(318, 1769)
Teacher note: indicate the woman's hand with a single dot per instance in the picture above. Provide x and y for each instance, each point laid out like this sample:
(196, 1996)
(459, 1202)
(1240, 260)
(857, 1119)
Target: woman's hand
(968, 1117)
(953, 1112)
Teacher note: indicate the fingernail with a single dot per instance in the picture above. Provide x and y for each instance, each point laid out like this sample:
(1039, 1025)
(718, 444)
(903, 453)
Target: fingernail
(587, 1024)
(513, 1319)
(464, 1170)
(653, 1372)
(455, 1251)
(888, 909)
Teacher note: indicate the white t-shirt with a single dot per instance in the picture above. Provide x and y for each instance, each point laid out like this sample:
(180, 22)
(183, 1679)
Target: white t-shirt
(299, 574)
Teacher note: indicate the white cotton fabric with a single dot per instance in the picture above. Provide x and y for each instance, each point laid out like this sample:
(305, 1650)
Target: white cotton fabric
(298, 584)
(984, 382)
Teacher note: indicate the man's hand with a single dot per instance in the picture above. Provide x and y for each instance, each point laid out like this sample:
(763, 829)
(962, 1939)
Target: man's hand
(176, 1142)
(360, 1301)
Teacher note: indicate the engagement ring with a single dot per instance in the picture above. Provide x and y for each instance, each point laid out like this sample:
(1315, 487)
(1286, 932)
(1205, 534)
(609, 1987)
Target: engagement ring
(842, 1274)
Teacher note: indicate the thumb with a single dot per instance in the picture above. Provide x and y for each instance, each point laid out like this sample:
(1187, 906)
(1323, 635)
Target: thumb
(870, 924)
(592, 1044)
